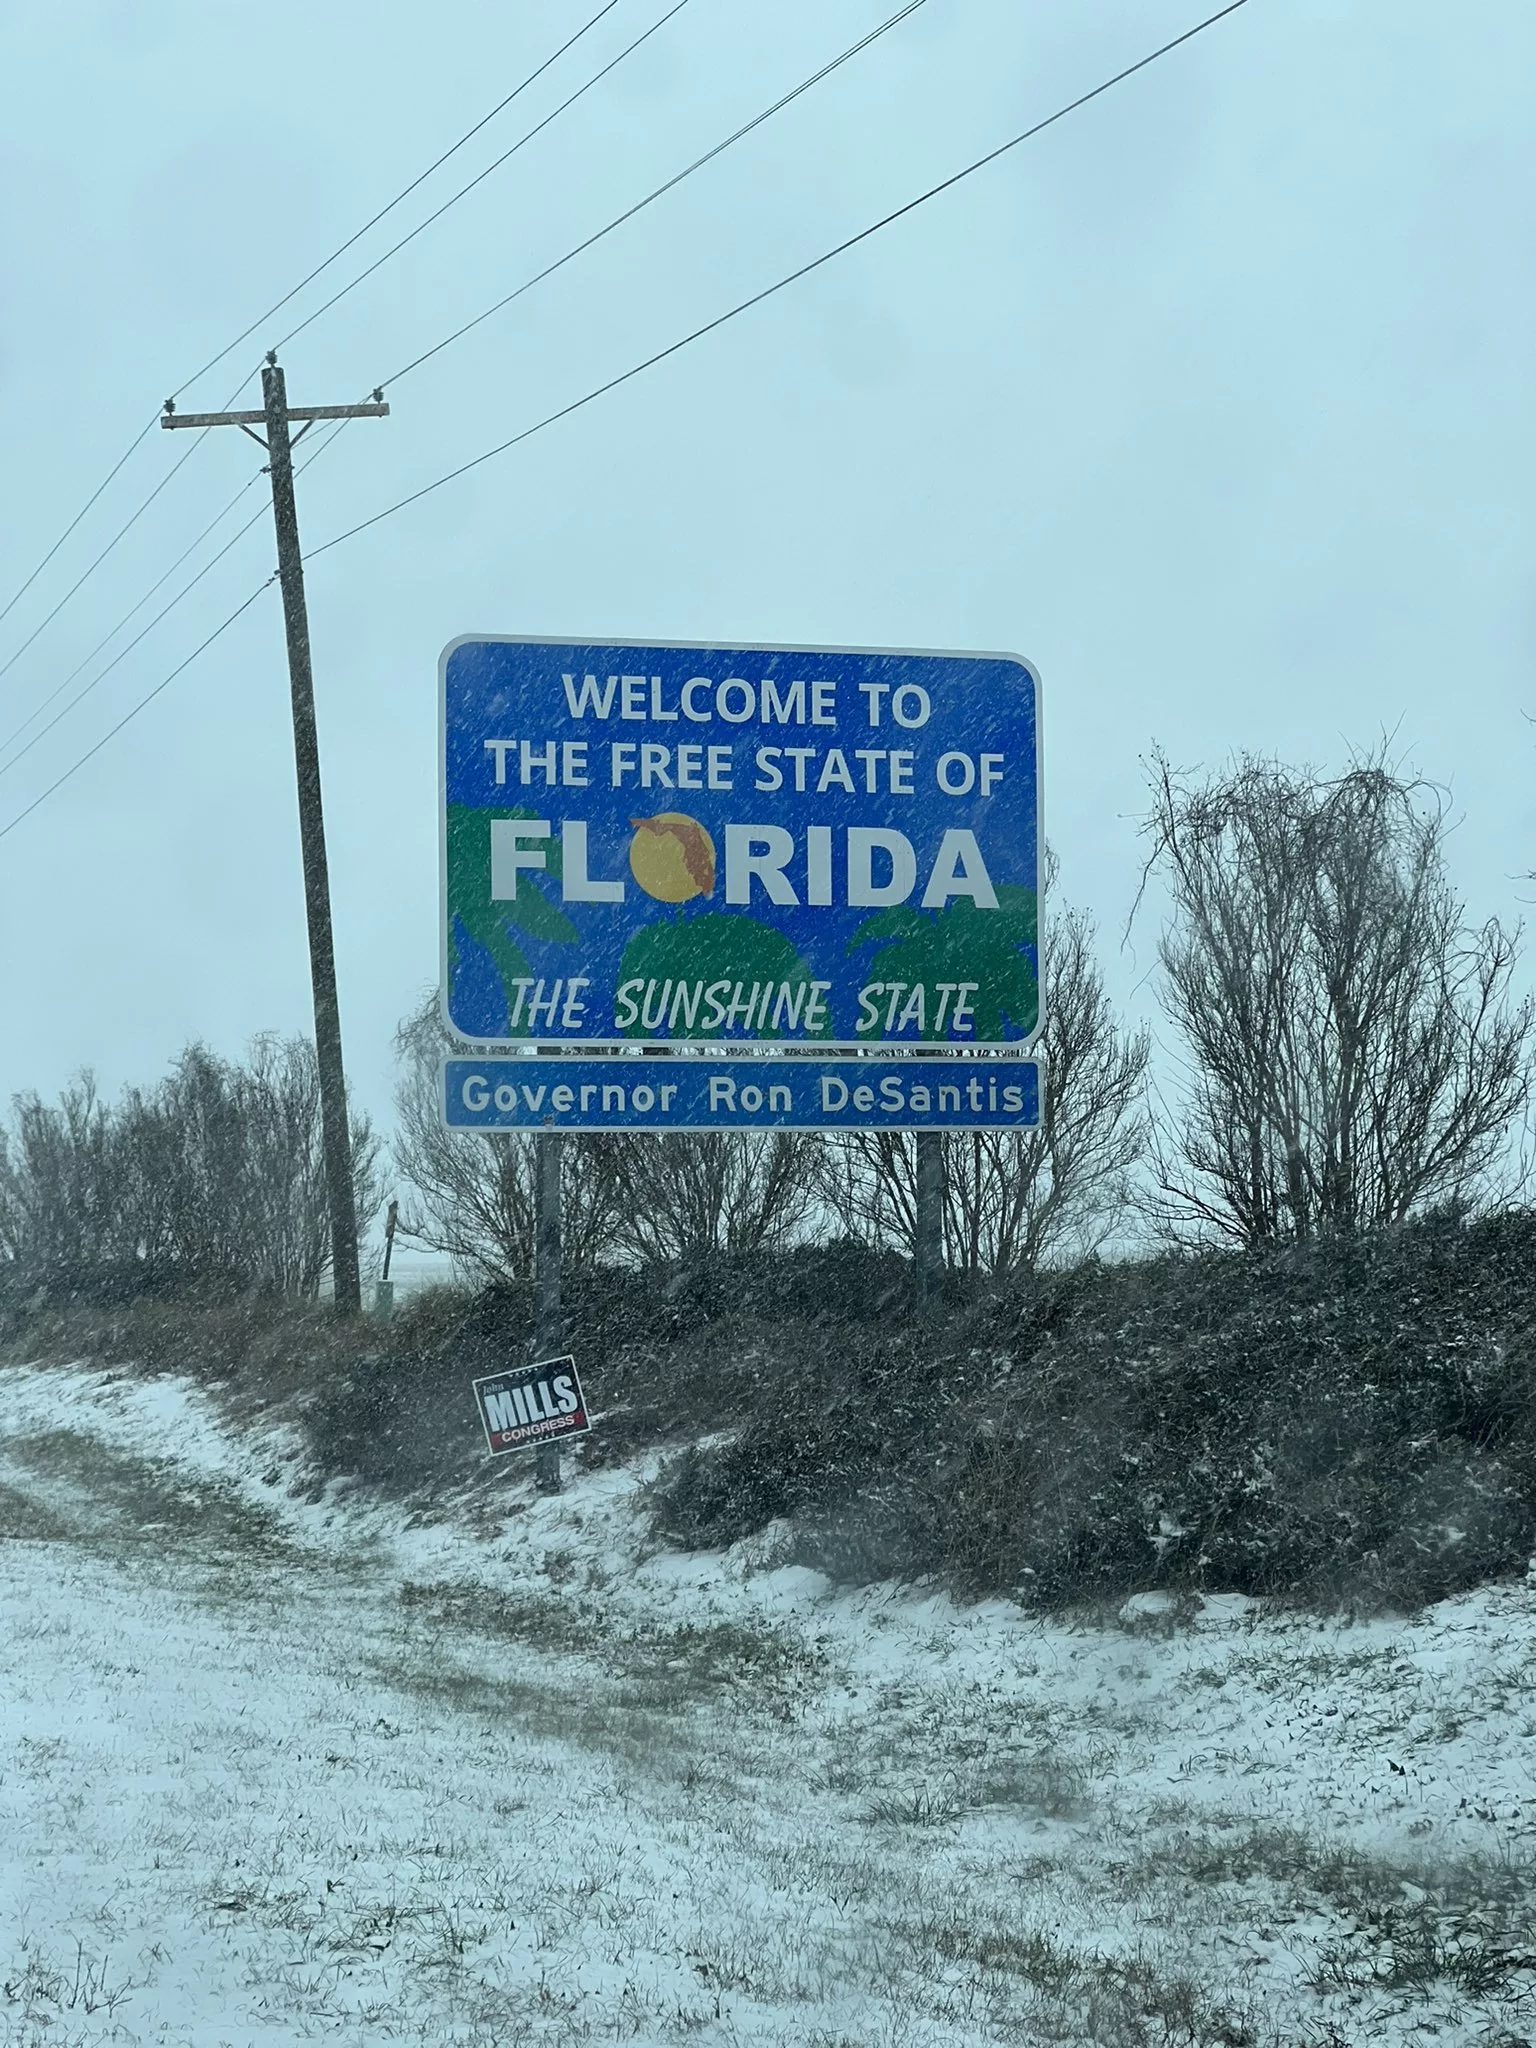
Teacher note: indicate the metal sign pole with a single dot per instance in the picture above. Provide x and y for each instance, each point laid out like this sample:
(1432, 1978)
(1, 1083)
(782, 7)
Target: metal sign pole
(549, 1339)
(928, 1248)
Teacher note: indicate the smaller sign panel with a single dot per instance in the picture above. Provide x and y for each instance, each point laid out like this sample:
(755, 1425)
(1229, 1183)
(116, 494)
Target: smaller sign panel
(532, 1405)
(755, 1092)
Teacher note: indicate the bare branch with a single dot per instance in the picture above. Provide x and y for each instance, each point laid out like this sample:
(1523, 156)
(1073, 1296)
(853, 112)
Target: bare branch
(474, 1191)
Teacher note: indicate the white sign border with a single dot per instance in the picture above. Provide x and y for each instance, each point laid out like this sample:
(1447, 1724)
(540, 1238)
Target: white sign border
(511, 1046)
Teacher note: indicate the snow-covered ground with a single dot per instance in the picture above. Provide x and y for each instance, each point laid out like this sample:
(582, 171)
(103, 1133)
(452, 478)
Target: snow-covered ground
(276, 1767)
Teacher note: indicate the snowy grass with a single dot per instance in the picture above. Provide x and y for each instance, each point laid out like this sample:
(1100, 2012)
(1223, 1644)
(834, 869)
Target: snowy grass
(278, 1764)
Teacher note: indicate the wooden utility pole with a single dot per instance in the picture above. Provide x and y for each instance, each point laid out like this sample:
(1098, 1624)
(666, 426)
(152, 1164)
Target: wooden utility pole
(336, 1139)
(549, 1329)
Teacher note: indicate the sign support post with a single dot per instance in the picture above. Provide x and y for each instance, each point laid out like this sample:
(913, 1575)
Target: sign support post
(548, 1337)
(928, 1218)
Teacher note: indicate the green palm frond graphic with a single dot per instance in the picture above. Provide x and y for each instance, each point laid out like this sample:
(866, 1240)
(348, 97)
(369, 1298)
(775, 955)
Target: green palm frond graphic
(493, 925)
(964, 943)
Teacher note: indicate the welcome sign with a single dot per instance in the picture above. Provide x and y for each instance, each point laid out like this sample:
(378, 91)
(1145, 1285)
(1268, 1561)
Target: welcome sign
(812, 846)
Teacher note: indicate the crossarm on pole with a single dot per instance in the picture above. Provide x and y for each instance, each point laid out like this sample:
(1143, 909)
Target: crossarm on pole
(256, 419)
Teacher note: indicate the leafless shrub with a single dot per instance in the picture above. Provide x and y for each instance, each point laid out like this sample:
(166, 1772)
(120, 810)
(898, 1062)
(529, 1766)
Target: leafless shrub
(225, 1166)
(213, 1175)
(697, 1196)
(475, 1194)
(1355, 1056)
(623, 1197)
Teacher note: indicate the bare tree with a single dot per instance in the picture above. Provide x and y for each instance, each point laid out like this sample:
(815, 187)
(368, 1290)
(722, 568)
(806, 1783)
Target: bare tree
(1015, 1199)
(475, 1195)
(1355, 1056)
(692, 1196)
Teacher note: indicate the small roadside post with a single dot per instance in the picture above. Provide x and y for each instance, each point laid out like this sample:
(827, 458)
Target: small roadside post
(928, 1221)
(384, 1287)
(549, 1331)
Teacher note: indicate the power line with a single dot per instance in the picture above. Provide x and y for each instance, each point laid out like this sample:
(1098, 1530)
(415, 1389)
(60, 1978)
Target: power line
(757, 121)
(123, 652)
(661, 355)
(213, 361)
(185, 591)
(394, 250)
(132, 448)
(129, 716)
(107, 638)
(122, 532)
(404, 193)
(792, 277)
(479, 179)
(640, 205)
(91, 567)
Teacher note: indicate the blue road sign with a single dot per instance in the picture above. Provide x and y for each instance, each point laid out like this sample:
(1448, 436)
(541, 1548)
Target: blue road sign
(754, 1091)
(759, 845)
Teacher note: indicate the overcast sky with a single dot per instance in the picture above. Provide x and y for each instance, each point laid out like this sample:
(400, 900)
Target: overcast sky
(1215, 401)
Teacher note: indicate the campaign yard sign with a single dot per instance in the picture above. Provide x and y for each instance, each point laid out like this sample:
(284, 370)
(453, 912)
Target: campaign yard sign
(532, 1405)
(787, 846)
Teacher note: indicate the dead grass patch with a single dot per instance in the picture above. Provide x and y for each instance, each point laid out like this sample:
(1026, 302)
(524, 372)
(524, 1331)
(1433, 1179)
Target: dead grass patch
(653, 1664)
